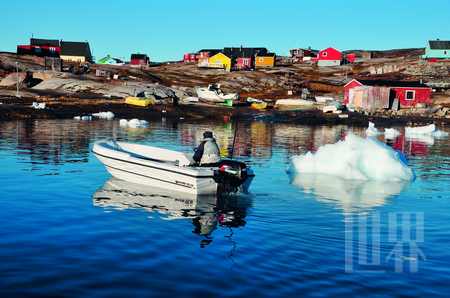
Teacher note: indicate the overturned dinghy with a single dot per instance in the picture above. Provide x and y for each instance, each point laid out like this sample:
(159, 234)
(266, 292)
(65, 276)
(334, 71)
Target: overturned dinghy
(170, 169)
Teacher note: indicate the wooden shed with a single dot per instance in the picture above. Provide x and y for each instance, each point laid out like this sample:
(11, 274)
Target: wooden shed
(383, 94)
(54, 64)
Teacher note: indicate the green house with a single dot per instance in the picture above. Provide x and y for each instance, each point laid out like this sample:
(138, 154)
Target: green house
(110, 60)
(438, 49)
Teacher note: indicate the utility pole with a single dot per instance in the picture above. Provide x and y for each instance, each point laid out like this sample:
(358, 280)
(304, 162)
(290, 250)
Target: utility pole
(17, 69)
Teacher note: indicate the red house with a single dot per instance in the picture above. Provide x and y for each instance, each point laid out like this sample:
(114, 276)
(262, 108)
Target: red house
(328, 57)
(189, 57)
(41, 47)
(139, 59)
(386, 94)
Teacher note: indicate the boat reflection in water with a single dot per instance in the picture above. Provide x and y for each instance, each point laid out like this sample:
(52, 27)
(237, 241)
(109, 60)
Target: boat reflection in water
(349, 195)
(206, 212)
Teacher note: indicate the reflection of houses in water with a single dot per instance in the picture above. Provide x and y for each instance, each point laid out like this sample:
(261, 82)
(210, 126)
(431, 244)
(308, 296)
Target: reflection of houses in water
(416, 145)
(323, 135)
(348, 195)
(206, 212)
(261, 134)
(53, 141)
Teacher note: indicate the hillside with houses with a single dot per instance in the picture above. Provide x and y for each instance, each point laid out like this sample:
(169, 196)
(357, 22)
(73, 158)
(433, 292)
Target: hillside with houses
(415, 78)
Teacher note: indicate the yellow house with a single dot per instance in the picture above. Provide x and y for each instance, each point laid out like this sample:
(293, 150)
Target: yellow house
(76, 51)
(265, 59)
(219, 60)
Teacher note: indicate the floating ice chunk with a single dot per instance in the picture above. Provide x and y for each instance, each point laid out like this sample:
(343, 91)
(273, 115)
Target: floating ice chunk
(391, 133)
(77, 118)
(439, 133)
(355, 158)
(86, 118)
(372, 130)
(134, 122)
(422, 130)
(104, 115)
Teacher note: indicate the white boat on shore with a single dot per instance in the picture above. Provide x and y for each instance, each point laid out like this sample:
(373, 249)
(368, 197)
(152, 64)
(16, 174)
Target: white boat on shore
(294, 102)
(170, 169)
(213, 93)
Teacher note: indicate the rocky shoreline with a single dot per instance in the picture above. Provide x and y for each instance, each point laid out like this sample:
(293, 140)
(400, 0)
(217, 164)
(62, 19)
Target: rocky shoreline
(67, 108)
(68, 95)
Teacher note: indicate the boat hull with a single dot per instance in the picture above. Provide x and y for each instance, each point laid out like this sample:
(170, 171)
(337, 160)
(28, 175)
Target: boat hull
(213, 96)
(153, 172)
(160, 168)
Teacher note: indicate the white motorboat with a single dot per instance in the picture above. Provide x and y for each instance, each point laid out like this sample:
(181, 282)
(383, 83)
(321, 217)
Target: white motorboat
(213, 93)
(294, 102)
(170, 169)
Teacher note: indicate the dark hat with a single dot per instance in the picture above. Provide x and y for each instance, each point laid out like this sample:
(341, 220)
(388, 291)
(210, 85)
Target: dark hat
(207, 134)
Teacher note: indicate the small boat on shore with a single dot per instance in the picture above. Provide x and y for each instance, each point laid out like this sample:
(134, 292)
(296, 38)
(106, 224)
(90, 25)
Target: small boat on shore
(256, 103)
(170, 169)
(294, 102)
(214, 94)
(139, 101)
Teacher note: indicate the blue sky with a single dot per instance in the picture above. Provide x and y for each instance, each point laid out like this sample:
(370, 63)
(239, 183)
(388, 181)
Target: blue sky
(165, 30)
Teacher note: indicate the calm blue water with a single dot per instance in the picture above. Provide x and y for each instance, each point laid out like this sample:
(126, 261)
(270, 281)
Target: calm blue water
(68, 230)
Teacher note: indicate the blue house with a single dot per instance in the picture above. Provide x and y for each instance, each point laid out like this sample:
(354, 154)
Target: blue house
(437, 49)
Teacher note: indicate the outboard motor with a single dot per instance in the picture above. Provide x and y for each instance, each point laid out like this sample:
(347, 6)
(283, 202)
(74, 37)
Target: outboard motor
(232, 174)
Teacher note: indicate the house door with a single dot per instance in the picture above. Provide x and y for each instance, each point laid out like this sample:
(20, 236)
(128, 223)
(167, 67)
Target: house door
(351, 98)
(358, 98)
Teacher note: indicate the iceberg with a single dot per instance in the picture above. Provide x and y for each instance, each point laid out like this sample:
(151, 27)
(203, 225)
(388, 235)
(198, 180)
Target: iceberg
(425, 130)
(422, 130)
(355, 158)
(104, 115)
(391, 133)
(133, 122)
(371, 130)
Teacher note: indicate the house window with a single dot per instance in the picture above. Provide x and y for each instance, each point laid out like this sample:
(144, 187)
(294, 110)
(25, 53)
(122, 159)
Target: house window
(410, 95)
(445, 52)
(261, 59)
(37, 49)
(52, 50)
(218, 62)
(245, 62)
(69, 59)
(324, 54)
(78, 59)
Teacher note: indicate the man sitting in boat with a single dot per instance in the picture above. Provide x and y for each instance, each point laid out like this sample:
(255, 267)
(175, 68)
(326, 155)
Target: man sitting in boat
(207, 153)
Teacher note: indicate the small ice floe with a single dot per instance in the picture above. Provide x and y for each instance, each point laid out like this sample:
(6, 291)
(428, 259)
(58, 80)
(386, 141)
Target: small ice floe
(104, 115)
(355, 158)
(391, 133)
(422, 130)
(371, 130)
(133, 122)
(425, 130)
(39, 105)
(82, 117)
(439, 133)
(407, 259)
